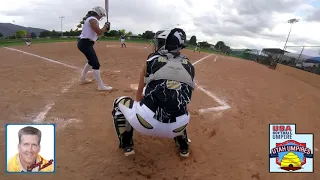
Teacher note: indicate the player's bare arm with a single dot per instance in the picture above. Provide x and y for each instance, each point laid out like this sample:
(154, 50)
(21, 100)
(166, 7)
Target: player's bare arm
(141, 84)
(95, 26)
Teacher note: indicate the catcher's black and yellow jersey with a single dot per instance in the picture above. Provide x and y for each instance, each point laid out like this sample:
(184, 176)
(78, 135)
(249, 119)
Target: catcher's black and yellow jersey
(167, 98)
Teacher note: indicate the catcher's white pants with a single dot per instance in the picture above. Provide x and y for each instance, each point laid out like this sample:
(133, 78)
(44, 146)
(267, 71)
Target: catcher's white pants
(159, 129)
(122, 41)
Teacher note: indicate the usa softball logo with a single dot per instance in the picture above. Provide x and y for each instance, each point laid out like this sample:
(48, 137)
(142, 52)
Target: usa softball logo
(289, 152)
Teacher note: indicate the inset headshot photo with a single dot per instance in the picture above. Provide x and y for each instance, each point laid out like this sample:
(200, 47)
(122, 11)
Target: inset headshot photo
(30, 148)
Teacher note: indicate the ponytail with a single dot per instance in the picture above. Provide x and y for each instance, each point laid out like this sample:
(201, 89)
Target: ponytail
(89, 14)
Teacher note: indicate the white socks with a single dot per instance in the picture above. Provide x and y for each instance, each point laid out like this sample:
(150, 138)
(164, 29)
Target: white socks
(96, 75)
(85, 71)
(101, 86)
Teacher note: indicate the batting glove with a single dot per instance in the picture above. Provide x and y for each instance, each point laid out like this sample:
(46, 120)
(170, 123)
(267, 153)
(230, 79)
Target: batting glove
(108, 25)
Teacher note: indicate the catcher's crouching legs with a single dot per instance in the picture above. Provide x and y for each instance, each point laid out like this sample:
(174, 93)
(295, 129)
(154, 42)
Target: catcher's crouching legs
(123, 129)
(182, 142)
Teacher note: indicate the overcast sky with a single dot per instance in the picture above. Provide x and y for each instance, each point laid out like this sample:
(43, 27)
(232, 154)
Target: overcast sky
(239, 23)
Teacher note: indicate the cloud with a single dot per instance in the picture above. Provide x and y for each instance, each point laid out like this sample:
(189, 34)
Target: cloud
(249, 7)
(239, 23)
(314, 16)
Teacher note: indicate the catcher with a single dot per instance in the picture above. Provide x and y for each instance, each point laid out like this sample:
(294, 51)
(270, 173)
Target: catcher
(165, 88)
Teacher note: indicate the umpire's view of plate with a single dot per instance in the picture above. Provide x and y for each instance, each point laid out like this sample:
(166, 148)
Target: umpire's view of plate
(134, 86)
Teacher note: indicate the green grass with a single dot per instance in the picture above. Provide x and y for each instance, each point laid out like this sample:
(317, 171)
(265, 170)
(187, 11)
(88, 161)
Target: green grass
(17, 42)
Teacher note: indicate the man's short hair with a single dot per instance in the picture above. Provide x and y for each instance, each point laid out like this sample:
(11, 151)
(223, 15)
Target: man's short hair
(29, 130)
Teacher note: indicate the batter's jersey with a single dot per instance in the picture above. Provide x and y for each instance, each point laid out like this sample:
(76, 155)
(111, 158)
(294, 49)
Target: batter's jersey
(87, 30)
(167, 98)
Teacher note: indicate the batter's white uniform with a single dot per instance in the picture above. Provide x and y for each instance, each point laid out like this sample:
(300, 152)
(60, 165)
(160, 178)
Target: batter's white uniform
(87, 31)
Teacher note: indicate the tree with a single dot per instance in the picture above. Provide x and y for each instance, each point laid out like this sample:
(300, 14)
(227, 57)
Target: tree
(226, 49)
(33, 35)
(21, 33)
(72, 33)
(204, 44)
(113, 33)
(121, 32)
(193, 40)
(148, 35)
(55, 33)
(1, 35)
(129, 33)
(247, 51)
(220, 45)
(45, 34)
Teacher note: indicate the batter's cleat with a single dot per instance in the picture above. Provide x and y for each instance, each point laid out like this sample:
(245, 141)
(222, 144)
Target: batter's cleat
(128, 151)
(105, 88)
(85, 80)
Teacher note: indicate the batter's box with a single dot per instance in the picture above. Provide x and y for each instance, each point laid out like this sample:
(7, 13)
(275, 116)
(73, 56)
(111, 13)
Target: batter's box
(222, 105)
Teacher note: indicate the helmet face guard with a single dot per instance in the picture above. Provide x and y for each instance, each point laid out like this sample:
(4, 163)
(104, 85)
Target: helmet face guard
(171, 40)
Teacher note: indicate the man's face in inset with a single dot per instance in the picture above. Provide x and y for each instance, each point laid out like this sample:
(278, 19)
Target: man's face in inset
(29, 148)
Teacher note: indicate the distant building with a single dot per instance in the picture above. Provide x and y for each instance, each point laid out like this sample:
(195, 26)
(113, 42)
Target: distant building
(275, 53)
(297, 58)
(134, 36)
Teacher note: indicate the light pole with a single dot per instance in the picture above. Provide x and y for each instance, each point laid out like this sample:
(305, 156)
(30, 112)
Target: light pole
(61, 17)
(291, 22)
(15, 34)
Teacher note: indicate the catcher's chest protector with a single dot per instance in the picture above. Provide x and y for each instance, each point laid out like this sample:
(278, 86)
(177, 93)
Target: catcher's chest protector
(173, 70)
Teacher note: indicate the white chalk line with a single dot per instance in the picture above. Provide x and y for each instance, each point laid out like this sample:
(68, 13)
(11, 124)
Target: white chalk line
(50, 60)
(201, 59)
(47, 59)
(223, 105)
(42, 115)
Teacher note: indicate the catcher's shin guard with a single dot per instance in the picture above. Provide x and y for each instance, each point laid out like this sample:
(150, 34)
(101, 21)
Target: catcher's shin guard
(123, 129)
(183, 142)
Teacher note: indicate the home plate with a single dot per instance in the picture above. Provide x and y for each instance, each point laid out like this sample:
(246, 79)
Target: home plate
(134, 86)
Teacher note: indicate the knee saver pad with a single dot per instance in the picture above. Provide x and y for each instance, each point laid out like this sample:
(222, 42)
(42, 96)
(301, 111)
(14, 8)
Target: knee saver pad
(125, 100)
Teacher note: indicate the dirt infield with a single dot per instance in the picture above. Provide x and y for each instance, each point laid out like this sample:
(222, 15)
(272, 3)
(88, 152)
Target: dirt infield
(229, 144)
(310, 78)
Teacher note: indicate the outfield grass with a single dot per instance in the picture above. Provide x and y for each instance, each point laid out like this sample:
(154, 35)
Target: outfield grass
(17, 42)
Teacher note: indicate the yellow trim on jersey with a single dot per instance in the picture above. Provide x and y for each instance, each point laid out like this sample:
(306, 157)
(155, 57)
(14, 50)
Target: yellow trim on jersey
(13, 164)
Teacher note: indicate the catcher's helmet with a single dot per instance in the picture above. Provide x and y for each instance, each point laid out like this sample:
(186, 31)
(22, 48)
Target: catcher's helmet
(173, 39)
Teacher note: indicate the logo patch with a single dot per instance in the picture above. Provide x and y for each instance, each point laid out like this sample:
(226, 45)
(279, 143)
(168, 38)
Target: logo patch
(289, 151)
